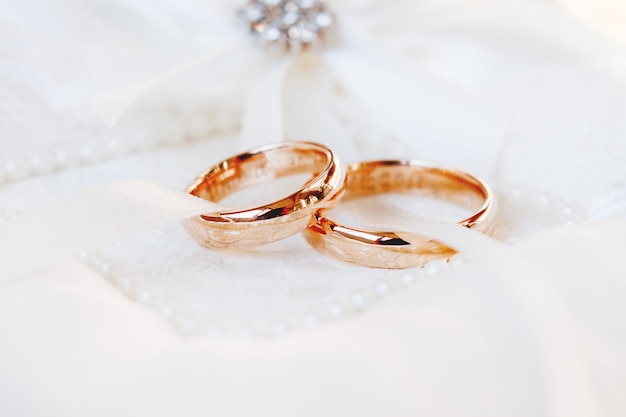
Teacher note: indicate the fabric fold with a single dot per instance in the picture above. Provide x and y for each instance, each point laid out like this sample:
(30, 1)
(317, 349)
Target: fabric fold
(95, 216)
(439, 121)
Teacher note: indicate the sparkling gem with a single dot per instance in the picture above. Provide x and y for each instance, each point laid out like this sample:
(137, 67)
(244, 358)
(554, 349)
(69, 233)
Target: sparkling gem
(291, 15)
(254, 13)
(291, 8)
(267, 33)
(309, 33)
(308, 4)
(293, 24)
(324, 19)
(295, 32)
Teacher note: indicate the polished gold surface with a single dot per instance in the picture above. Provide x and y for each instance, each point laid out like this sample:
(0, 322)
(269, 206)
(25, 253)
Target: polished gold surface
(393, 249)
(275, 220)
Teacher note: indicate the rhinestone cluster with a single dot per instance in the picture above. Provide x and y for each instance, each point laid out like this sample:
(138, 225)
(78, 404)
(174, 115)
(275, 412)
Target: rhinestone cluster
(290, 24)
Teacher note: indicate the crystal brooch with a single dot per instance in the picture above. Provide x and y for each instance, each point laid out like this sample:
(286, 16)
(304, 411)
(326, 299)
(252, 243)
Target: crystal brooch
(289, 24)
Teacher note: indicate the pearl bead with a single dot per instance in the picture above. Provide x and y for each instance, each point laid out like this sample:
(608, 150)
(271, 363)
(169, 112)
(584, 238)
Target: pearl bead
(408, 278)
(382, 288)
(42, 164)
(335, 311)
(83, 255)
(90, 153)
(105, 269)
(435, 266)
(16, 170)
(311, 320)
(184, 324)
(66, 158)
(459, 259)
(125, 284)
(165, 310)
(358, 300)
(144, 297)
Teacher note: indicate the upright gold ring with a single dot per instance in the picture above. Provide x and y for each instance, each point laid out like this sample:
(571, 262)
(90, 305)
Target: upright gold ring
(393, 249)
(236, 229)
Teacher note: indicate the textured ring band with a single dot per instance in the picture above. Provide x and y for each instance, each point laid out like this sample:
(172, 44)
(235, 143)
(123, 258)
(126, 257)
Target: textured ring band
(393, 249)
(273, 221)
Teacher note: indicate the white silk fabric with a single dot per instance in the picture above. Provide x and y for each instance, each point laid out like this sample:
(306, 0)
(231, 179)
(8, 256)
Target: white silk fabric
(108, 109)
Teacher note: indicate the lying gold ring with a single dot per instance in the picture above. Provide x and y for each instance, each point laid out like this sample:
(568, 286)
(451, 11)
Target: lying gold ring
(273, 221)
(397, 250)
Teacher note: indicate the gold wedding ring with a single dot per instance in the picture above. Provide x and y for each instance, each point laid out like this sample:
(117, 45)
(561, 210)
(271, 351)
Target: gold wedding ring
(235, 229)
(393, 249)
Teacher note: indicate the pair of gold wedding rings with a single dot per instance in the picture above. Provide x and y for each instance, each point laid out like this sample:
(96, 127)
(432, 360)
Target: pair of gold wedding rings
(330, 182)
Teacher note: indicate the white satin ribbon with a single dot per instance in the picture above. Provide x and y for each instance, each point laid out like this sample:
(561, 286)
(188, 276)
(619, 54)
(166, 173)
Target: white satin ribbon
(263, 111)
(308, 93)
(56, 232)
